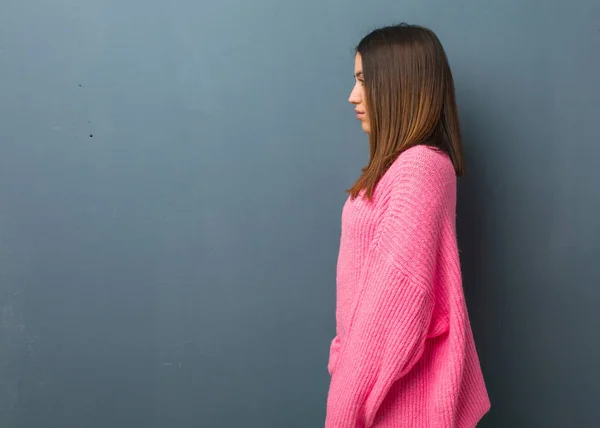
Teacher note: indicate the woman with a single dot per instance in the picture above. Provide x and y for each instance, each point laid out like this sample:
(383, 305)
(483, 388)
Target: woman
(404, 354)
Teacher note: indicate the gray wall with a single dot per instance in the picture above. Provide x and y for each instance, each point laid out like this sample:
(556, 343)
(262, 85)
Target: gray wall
(171, 179)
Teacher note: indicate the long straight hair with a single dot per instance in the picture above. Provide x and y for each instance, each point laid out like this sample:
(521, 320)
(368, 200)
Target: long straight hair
(410, 99)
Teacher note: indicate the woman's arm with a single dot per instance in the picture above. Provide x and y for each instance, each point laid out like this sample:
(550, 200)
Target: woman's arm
(393, 312)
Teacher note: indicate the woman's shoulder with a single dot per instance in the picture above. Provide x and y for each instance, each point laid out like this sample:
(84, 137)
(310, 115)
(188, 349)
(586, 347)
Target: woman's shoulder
(422, 164)
(424, 159)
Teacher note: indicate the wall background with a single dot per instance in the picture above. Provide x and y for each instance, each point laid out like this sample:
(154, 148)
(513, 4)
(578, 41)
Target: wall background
(171, 180)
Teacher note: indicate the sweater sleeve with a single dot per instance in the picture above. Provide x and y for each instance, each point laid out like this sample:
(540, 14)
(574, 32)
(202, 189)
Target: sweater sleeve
(391, 317)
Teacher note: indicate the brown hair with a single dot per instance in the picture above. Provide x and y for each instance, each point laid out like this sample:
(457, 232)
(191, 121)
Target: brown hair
(409, 97)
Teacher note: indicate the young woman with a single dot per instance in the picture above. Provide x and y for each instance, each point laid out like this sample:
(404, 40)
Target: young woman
(404, 354)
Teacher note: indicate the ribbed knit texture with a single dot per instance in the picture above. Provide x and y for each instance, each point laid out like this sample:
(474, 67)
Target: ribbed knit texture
(404, 355)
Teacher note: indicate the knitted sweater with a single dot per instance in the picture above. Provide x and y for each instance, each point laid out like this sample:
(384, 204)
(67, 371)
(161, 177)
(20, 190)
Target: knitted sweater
(404, 355)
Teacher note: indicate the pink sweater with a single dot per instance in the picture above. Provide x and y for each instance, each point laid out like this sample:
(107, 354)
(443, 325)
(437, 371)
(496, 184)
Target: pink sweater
(404, 355)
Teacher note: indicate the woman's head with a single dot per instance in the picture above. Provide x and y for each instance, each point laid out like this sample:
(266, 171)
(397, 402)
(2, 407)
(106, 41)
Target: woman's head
(404, 96)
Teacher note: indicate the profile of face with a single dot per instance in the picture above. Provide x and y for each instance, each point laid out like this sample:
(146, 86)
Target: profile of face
(358, 95)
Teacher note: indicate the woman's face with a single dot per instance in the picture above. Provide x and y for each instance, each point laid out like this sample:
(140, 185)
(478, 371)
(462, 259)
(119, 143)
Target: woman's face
(357, 96)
